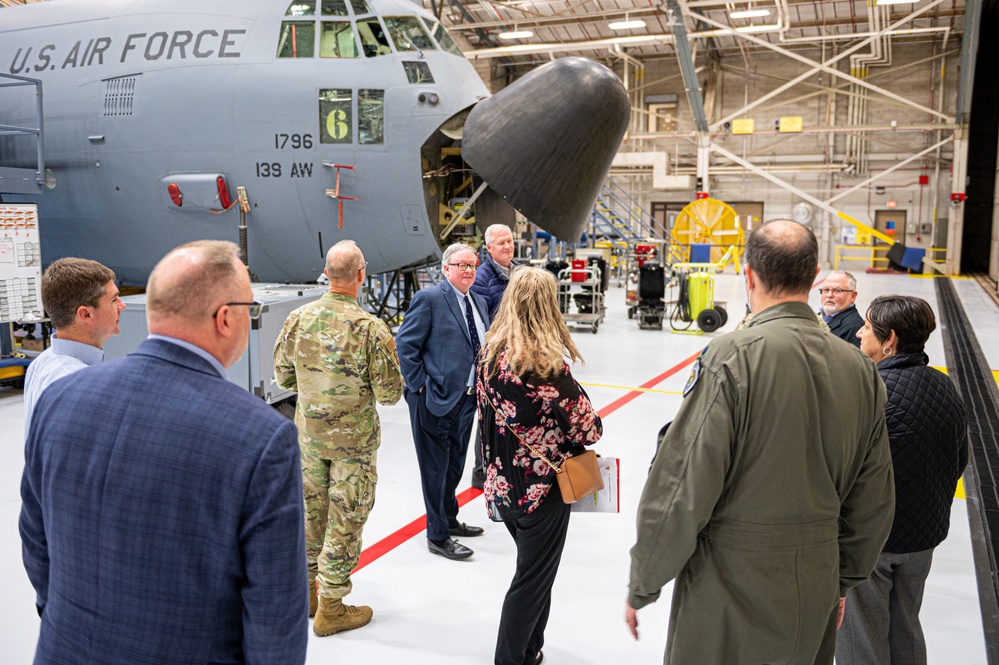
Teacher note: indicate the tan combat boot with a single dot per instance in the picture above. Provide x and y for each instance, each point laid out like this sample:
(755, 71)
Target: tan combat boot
(333, 617)
(313, 595)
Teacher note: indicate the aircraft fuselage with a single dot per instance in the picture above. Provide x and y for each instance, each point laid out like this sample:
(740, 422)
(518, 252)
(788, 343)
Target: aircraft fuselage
(144, 94)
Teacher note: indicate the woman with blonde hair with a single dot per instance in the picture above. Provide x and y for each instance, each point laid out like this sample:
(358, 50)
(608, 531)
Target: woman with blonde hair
(532, 415)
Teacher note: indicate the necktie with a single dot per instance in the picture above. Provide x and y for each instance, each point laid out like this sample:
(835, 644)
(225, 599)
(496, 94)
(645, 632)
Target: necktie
(470, 318)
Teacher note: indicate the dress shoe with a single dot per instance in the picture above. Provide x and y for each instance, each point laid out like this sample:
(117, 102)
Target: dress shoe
(333, 616)
(449, 549)
(466, 531)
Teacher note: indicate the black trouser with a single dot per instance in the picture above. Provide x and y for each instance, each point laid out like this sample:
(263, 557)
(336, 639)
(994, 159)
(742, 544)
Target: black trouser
(540, 537)
(479, 468)
(441, 448)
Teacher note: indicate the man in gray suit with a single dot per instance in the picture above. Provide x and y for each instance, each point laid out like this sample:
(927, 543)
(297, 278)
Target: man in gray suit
(438, 344)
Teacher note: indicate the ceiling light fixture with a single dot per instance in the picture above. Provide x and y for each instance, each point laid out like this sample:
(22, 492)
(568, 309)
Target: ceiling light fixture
(515, 34)
(626, 24)
(749, 13)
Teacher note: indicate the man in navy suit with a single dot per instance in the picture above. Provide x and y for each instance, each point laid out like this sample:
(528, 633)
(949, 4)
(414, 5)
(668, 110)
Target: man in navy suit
(162, 518)
(438, 344)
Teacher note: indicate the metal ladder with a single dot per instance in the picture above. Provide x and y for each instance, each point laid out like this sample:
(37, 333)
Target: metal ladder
(18, 179)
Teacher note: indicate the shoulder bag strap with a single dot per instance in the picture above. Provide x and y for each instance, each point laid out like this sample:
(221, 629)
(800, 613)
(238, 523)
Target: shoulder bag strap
(532, 448)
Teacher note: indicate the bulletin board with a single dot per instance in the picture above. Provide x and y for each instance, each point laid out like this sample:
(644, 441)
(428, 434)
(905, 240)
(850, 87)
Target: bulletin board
(20, 263)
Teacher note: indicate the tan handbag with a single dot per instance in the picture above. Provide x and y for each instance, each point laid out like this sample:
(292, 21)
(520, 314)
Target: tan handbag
(579, 475)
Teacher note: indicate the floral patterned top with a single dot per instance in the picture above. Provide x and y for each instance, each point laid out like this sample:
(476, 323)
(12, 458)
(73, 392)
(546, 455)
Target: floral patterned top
(552, 415)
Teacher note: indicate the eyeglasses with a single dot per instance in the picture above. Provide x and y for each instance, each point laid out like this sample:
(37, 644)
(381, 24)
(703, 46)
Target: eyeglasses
(834, 292)
(255, 308)
(464, 266)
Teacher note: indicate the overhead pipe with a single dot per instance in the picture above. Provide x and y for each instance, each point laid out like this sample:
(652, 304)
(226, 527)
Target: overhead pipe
(825, 66)
(857, 35)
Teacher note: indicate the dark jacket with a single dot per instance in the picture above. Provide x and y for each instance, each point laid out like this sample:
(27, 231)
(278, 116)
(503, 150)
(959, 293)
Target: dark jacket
(162, 517)
(435, 349)
(928, 433)
(490, 283)
(845, 325)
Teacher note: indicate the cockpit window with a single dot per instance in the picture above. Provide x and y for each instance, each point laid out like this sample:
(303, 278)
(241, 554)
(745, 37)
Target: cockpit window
(408, 34)
(298, 39)
(373, 39)
(302, 8)
(444, 39)
(370, 117)
(418, 72)
(334, 8)
(336, 40)
(334, 115)
(360, 7)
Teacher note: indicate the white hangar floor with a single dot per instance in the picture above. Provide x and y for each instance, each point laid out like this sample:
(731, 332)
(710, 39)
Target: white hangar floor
(634, 377)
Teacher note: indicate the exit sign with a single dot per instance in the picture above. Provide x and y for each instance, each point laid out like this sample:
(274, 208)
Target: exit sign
(892, 203)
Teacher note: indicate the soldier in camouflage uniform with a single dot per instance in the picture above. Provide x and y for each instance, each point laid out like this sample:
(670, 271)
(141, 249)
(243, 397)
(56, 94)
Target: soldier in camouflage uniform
(340, 360)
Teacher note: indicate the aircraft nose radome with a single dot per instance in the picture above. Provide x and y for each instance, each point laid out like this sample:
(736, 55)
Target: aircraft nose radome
(546, 142)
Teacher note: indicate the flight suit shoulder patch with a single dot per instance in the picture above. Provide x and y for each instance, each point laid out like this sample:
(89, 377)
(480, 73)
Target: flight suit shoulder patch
(695, 375)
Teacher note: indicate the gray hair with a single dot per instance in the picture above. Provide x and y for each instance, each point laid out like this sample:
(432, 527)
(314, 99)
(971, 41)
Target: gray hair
(454, 249)
(491, 232)
(851, 281)
(194, 291)
(343, 260)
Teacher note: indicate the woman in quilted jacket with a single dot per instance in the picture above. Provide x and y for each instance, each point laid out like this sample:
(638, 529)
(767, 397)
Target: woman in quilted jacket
(928, 432)
(532, 414)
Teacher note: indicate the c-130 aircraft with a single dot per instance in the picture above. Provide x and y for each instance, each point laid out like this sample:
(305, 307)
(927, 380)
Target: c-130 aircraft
(339, 119)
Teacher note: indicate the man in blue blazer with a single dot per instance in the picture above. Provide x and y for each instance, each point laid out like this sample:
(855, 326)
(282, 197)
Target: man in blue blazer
(438, 344)
(162, 518)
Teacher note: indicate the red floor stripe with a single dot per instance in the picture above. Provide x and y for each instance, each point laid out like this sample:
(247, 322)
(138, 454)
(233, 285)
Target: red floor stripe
(392, 541)
(389, 543)
(621, 401)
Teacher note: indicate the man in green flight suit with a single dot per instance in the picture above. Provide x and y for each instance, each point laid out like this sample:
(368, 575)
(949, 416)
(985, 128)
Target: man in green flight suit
(340, 360)
(771, 492)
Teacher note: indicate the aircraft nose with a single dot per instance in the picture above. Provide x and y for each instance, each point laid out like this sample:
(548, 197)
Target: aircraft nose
(546, 142)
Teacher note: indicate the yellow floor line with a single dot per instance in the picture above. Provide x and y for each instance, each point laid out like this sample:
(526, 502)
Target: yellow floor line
(959, 494)
(995, 372)
(934, 275)
(629, 389)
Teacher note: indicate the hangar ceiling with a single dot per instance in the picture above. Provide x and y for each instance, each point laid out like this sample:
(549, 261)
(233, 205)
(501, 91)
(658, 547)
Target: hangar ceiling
(876, 93)
(593, 28)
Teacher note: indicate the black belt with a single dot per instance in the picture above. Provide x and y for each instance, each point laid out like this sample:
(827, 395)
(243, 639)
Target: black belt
(470, 390)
